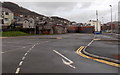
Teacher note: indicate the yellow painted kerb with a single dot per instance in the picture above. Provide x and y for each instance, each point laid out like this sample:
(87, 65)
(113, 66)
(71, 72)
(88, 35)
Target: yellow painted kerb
(79, 49)
(99, 60)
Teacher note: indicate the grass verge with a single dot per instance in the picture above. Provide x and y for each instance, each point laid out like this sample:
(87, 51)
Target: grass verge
(13, 34)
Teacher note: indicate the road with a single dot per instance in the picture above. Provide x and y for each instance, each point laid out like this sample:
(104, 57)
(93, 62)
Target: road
(36, 54)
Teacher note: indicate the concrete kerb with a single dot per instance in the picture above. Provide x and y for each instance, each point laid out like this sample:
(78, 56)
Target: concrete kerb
(99, 57)
(112, 35)
(102, 59)
(85, 54)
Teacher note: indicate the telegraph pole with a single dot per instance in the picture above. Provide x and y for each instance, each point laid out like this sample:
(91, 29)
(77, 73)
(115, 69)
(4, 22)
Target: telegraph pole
(111, 20)
(102, 20)
(97, 20)
(115, 17)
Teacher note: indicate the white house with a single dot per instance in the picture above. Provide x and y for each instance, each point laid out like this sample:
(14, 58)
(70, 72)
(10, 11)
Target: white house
(6, 16)
(96, 24)
(25, 23)
(29, 23)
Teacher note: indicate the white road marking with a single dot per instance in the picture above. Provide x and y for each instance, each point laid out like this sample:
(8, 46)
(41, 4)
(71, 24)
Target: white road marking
(20, 63)
(23, 47)
(13, 50)
(23, 58)
(28, 51)
(46, 41)
(17, 71)
(68, 63)
(63, 56)
(33, 46)
(90, 43)
(26, 54)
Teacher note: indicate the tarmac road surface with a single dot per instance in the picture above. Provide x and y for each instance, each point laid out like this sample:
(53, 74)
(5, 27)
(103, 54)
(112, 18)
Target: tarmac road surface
(37, 55)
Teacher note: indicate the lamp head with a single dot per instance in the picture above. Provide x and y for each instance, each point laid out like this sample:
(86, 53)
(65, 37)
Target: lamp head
(110, 5)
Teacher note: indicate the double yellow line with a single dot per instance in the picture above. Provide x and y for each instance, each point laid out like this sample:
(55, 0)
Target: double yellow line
(96, 59)
(80, 49)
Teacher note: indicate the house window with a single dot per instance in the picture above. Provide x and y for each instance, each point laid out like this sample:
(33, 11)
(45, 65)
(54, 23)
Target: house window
(25, 22)
(6, 13)
(31, 22)
(6, 19)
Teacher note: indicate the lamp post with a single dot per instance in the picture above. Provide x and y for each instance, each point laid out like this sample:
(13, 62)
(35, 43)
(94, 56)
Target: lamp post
(97, 20)
(111, 20)
(102, 20)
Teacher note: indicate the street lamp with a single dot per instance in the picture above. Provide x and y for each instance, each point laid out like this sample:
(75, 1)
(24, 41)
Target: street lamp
(111, 19)
(97, 20)
(102, 20)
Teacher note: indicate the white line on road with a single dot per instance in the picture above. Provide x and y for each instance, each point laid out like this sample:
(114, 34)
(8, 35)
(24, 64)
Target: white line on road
(68, 63)
(17, 71)
(65, 62)
(13, 50)
(33, 46)
(28, 51)
(90, 43)
(46, 41)
(25, 54)
(63, 56)
(20, 63)
(23, 58)
(23, 47)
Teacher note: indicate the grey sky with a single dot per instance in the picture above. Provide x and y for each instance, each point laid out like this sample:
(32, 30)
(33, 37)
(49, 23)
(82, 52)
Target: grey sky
(74, 10)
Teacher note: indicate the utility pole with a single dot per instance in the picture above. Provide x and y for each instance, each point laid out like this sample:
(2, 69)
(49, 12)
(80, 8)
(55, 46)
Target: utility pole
(115, 17)
(102, 20)
(111, 20)
(97, 20)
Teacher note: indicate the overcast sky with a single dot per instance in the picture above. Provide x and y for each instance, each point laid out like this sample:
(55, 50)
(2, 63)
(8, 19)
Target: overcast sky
(74, 10)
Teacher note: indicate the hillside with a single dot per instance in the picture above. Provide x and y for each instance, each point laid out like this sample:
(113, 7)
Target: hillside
(16, 9)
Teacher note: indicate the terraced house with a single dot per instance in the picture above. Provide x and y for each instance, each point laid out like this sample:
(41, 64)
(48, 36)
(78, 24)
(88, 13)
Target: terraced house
(7, 17)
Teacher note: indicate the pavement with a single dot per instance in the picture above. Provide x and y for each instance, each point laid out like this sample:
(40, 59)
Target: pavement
(108, 46)
(33, 54)
(105, 46)
(114, 35)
